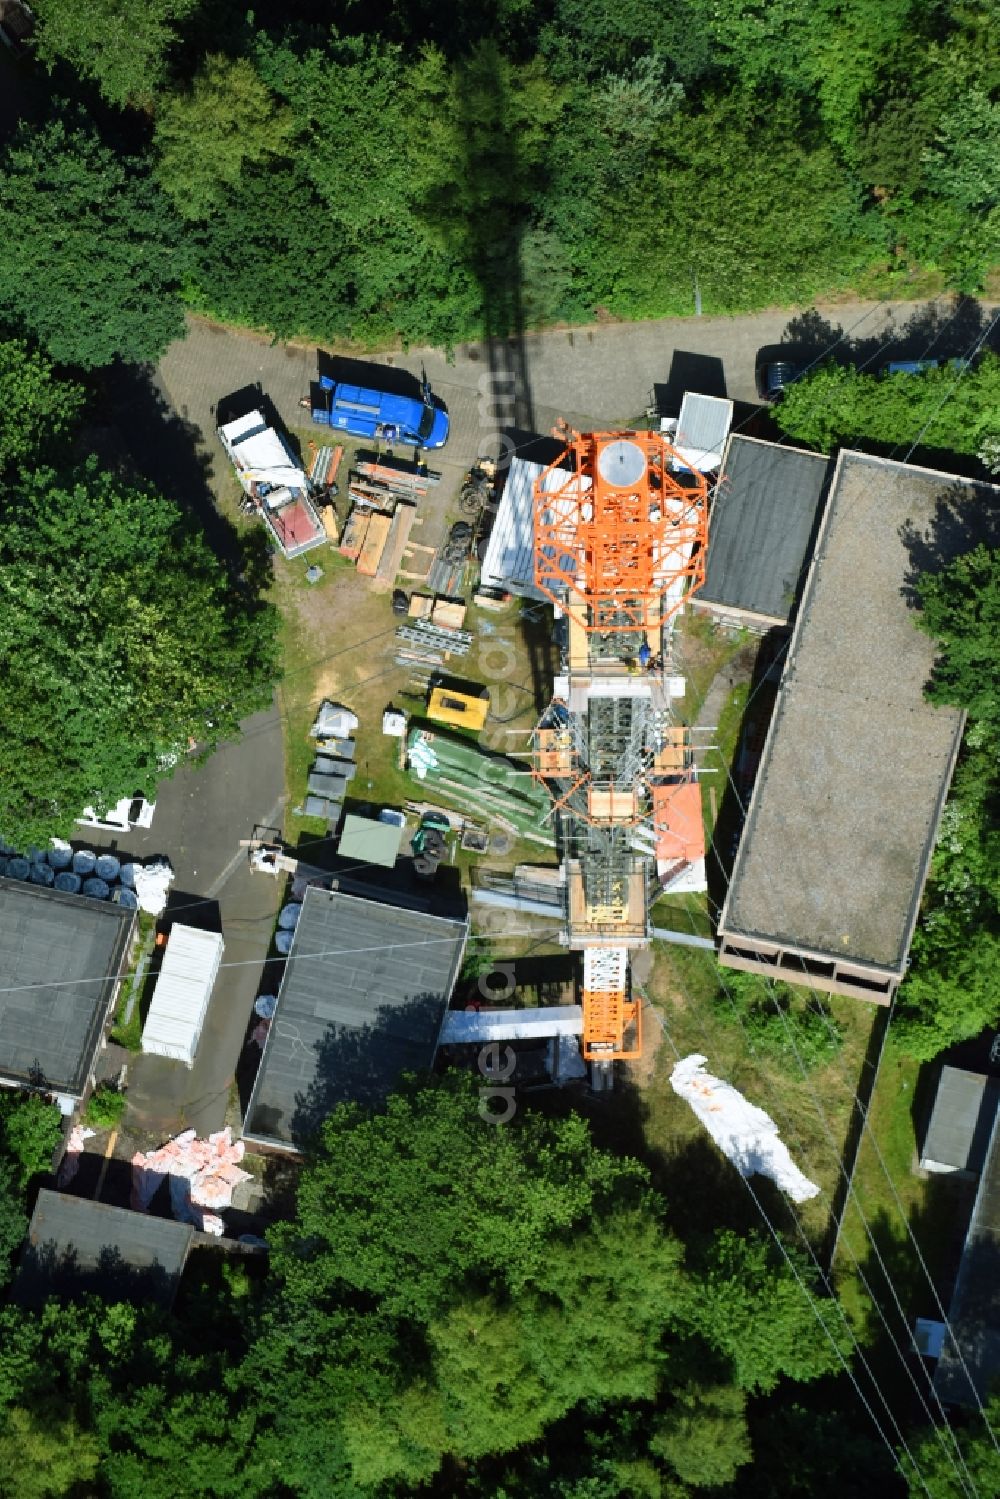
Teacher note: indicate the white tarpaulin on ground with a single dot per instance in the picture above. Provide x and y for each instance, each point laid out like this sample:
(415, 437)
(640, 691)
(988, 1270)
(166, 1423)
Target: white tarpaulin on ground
(333, 721)
(742, 1131)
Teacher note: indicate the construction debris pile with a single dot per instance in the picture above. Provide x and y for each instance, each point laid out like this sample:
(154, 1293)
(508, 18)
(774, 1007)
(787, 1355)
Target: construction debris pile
(426, 643)
(69, 1166)
(324, 465)
(384, 493)
(202, 1174)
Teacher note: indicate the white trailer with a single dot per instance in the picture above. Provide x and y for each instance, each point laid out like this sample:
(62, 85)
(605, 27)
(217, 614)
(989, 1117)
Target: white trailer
(183, 990)
(699, 433)
(275, 483)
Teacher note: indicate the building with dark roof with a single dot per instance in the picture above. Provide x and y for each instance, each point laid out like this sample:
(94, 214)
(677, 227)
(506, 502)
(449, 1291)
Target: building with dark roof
(362, 999)
(61, 957)
(958, 1131)
(972, 1368)
(857, 763)
(765, 512)
(76, 1246)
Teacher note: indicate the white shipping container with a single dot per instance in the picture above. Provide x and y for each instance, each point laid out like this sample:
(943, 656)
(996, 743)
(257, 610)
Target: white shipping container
(701, 431)
(183, 989)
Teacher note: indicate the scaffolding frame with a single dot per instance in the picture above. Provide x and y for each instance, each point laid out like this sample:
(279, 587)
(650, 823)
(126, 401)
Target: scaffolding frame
(620, 541)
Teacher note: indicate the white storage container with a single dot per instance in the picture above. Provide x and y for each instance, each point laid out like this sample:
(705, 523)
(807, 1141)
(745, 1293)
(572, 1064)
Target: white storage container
(183, 990)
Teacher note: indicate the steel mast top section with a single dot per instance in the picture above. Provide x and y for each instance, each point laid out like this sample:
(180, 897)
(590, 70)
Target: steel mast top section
(620, 528)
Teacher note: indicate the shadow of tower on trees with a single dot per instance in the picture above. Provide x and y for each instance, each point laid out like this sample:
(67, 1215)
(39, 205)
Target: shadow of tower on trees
(485, 219)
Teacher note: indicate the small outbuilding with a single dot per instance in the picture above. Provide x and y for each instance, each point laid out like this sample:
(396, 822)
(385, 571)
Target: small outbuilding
(765, 511)
(370, 841)
(958, 1132)
(76, 1246)
(182, 994)
(509, 561)
(699, 435)
(361, 1001)
(62, 958)
(969, 1365)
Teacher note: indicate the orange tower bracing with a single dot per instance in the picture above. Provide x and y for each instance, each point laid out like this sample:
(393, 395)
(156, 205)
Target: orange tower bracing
(620, 533)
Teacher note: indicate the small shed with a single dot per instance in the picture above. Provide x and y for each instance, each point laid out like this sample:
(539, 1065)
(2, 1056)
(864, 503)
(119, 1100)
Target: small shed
(370, 841)
(765, 511)
(76, 1247)
(700, 436)
(958, 1132)
(509, 563)
(182, 994)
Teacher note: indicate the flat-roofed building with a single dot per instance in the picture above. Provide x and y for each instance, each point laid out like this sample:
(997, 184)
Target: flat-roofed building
(62, 958)
(765, 512)
(835, 849)
(362, 999)
(76, 1247)
(961, 1122)
(969, 1364)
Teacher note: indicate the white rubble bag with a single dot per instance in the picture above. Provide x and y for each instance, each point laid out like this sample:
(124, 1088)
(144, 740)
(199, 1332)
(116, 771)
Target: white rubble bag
(202, 1174)
(152, 882)
(744, 1133)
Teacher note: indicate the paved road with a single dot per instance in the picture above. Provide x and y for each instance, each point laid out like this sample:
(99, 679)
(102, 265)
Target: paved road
(201, 814)
(608, 373)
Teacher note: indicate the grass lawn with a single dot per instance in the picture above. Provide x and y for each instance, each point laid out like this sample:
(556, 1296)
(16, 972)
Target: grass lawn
(338, 642)
(936, 1207)
(129, 1034)
(680, 990)
(702, 649)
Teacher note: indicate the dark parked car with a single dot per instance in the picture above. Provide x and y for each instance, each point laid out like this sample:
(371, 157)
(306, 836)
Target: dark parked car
(918, 366)
(774, 378)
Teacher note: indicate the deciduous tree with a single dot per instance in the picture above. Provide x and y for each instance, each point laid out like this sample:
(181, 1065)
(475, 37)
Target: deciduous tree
(92, 264)
(124, 638)
(932, 1471)
(703, 1436)
(121, 45)
(30, 1130)
(39, 408)
(207, 135)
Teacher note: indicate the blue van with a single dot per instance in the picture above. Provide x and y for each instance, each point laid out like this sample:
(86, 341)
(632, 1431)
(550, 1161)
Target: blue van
(364, 412)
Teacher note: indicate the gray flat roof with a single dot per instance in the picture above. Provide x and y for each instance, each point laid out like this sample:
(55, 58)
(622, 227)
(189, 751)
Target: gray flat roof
(59, 957)
(361, 1001)
(958, 1133)
(857, 763)
(76, 1245)
(974, 1314)
(764, 514)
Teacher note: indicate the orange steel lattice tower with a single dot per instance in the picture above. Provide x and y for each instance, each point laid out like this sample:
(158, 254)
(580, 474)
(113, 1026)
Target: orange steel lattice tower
(619, 532)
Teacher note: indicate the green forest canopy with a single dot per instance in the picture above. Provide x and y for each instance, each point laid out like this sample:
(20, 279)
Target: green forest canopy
(124, 638)
(444, 1292)
(431, 174)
